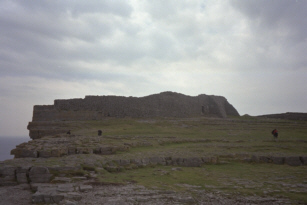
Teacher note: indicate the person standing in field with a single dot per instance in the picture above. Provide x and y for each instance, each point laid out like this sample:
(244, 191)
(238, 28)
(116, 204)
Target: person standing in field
(275, 134)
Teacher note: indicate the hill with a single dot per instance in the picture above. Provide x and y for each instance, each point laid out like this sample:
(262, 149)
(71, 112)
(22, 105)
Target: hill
(204, 159)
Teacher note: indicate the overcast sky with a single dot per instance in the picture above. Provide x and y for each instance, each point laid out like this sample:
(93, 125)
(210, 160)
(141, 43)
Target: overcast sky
(253, 52)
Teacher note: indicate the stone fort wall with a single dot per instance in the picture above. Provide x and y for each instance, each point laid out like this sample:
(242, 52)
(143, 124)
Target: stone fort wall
(167, 104)
(49, 119)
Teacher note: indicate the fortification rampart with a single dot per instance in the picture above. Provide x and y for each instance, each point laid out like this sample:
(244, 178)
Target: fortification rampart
(166, 104)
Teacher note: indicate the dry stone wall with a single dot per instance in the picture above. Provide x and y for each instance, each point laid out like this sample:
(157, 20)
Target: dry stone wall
(166, 104)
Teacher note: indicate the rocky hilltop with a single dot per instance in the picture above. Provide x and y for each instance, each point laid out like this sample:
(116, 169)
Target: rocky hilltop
(287, 116)
(165, 104)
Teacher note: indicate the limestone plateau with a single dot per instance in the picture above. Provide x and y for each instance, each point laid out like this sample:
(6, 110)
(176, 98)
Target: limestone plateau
(165, 104)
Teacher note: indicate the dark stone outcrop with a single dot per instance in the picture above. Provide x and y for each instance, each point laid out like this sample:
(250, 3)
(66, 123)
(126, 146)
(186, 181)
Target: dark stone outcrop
(166, 104)
(287, 116)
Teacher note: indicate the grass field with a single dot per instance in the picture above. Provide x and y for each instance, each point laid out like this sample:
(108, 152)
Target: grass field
(229, 139)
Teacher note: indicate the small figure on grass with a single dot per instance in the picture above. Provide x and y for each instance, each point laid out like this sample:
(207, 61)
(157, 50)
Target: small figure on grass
(275, 134)
(99, 132)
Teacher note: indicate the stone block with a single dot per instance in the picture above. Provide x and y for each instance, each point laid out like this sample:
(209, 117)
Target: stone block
(206, 160)
(278, 160)
(255, 158)
(177, 161)
(124, 148)
(71, 150)
(56, 198)
(192, 162)
(39, 175)
(67, 202)
(65, 188)
(61, 179)
(111, 168)
(157, 160)
(124, 162)
(303, 160)
(44, 153)
(265, 159)
(38, 198)
(21, 178)
(56, 153)
(145, 161)
(85, 188)
(73, 196)
(8, 171)
(24, 153)
(293, 161)
(23, 169)
(107, 150)
(97, 150)
(214, 160)
(137, 162)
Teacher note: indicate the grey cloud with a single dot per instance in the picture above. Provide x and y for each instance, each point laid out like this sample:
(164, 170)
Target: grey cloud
(231, 48)
(277, 14)
(279, 31)
(79, 7)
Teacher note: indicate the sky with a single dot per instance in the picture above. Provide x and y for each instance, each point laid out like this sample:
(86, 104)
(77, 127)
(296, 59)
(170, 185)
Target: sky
(252, 52)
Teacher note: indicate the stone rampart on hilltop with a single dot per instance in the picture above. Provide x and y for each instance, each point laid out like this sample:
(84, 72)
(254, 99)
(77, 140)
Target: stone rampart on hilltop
(166, 104)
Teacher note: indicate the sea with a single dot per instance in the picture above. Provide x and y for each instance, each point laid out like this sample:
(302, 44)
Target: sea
(9, 143)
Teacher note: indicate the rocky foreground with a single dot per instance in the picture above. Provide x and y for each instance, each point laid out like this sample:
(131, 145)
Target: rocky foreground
(86, 191)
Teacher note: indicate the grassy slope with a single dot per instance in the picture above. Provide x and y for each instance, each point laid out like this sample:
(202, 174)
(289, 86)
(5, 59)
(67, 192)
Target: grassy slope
(230, 137)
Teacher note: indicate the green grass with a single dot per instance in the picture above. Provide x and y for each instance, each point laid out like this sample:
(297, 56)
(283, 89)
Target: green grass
(211, 137)
(231, 178)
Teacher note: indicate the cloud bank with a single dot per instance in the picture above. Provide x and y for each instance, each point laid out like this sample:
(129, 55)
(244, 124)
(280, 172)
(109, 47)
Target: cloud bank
(252, 52)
